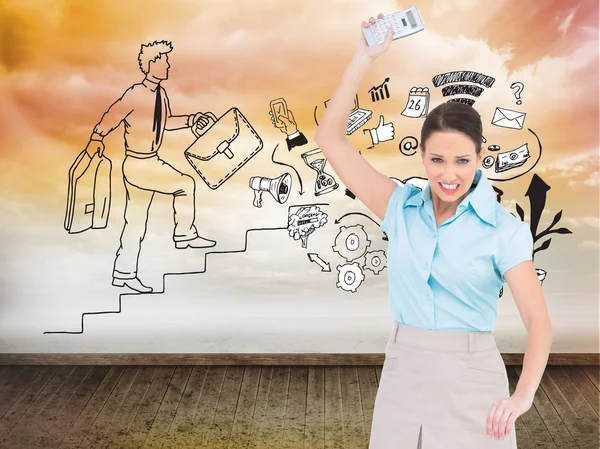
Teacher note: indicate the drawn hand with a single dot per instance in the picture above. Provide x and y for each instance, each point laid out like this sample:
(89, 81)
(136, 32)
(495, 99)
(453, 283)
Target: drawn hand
(374, 51)
(199, 120)
(95, 146)
(504, 413)
(383, 132)
(289, 122)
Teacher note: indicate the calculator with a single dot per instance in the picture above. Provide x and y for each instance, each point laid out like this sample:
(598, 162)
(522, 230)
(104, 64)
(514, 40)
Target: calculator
(404, 23)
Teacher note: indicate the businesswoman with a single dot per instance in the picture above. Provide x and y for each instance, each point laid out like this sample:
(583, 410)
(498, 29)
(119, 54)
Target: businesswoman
(451, 247)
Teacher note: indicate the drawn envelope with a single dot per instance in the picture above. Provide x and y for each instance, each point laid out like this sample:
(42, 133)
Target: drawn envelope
(506, 118)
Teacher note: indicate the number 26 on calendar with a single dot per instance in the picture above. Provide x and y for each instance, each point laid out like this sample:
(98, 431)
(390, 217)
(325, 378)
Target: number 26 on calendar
(418, 103)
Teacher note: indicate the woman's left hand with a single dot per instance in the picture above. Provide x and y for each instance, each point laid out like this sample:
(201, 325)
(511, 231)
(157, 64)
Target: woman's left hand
(504, 413)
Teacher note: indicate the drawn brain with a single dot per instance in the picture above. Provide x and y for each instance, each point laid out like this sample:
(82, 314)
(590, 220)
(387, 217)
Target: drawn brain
(304, 222)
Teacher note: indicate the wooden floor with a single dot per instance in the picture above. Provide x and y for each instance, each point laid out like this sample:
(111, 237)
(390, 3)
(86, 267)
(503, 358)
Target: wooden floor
(247, 407)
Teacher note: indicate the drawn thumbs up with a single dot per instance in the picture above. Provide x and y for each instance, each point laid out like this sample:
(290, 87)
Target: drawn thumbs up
(383, 132)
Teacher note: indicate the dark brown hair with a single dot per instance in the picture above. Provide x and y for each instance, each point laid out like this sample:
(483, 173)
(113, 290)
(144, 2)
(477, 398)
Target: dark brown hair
(453, 116)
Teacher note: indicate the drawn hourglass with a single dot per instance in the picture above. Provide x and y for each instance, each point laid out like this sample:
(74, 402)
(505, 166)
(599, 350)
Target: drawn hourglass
(325, 183)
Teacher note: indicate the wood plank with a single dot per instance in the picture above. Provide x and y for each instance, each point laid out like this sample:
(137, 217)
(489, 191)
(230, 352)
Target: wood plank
(42, 436)
(354, 421)
(523, 439)
(259, 420)
(27, 426)
(119, 428)
(574, 409)
(314, 430)
(220, 430)
(275, 412)
(585, 386)
(9, 375)
(283, 407)
(17, 387)
(242, 424)
(95, 435)
(292, 435)
(368, 389)
(74, 406)
(254, 359)
(80, 428)
(207, 406)
(19, 407)
(168, 407)
(593, 374)
(182, 426)
(543, 423)
(534, 421)
(142, 422)
(580, 405)
(334, 419)
(378, 369)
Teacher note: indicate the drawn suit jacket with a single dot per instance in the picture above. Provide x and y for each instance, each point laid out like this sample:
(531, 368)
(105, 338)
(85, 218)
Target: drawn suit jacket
(88, 197)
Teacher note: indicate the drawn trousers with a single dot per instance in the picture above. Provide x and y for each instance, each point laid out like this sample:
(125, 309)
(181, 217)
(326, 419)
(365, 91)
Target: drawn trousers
(143, 178)
(436, 390)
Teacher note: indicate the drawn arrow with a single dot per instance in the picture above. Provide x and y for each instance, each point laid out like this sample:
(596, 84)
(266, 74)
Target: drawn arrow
(356, 213)
(314, 257)
(301, 192)
(537, 200)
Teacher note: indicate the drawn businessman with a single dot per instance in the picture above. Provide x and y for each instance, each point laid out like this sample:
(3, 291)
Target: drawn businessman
(144, 108)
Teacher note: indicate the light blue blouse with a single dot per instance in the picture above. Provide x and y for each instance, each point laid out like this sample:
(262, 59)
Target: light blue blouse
(448, 278)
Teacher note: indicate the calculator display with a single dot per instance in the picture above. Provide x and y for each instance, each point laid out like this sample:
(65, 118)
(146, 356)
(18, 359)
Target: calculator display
(411, 19)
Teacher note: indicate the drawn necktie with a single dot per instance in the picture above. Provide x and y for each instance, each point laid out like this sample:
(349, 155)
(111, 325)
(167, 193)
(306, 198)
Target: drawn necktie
(157, 115)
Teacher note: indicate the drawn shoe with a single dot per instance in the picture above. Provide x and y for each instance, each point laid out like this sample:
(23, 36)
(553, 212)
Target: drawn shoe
(133, 284)
(198, 242)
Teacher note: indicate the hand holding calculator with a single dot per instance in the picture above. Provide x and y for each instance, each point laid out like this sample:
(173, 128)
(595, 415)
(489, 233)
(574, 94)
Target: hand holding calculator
(403, 23)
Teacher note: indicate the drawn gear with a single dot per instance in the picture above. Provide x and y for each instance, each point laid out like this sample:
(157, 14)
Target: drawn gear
(375, 261)
(351, 242)
(350, 276)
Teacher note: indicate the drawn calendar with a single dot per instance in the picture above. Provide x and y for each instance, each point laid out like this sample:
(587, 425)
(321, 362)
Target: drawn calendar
(418, 102)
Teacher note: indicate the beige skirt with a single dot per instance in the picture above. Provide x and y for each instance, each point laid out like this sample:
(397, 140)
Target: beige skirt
(436, 390)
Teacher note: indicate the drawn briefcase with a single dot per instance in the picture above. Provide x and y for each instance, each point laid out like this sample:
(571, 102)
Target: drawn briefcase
(88, 197)
(222, 148)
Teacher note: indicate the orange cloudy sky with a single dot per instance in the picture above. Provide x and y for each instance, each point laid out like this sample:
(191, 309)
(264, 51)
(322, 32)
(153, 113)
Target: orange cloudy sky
(63, 62)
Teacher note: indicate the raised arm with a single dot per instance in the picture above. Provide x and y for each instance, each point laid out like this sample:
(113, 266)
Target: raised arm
(370, 186)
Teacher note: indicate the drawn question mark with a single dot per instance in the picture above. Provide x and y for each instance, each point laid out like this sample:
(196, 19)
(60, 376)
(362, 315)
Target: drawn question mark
(520, 86)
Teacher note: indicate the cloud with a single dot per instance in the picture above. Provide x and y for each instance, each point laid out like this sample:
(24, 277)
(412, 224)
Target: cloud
(565, 24)
(579, 222)
(591, 181)
(589, 244)
(578, 162)
(581, 169)
(442, 7)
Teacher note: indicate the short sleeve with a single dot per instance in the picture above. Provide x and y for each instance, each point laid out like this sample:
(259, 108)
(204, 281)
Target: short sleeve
(518, 249)
(395, 204)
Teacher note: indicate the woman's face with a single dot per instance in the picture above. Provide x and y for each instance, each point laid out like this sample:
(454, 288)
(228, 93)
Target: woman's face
(450, 161)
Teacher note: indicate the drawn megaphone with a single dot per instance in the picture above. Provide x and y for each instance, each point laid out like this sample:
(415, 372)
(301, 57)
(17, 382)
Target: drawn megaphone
(279, 188)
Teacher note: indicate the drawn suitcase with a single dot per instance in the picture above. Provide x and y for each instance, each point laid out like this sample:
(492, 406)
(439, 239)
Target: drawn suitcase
(89, 194)
(222, 148)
